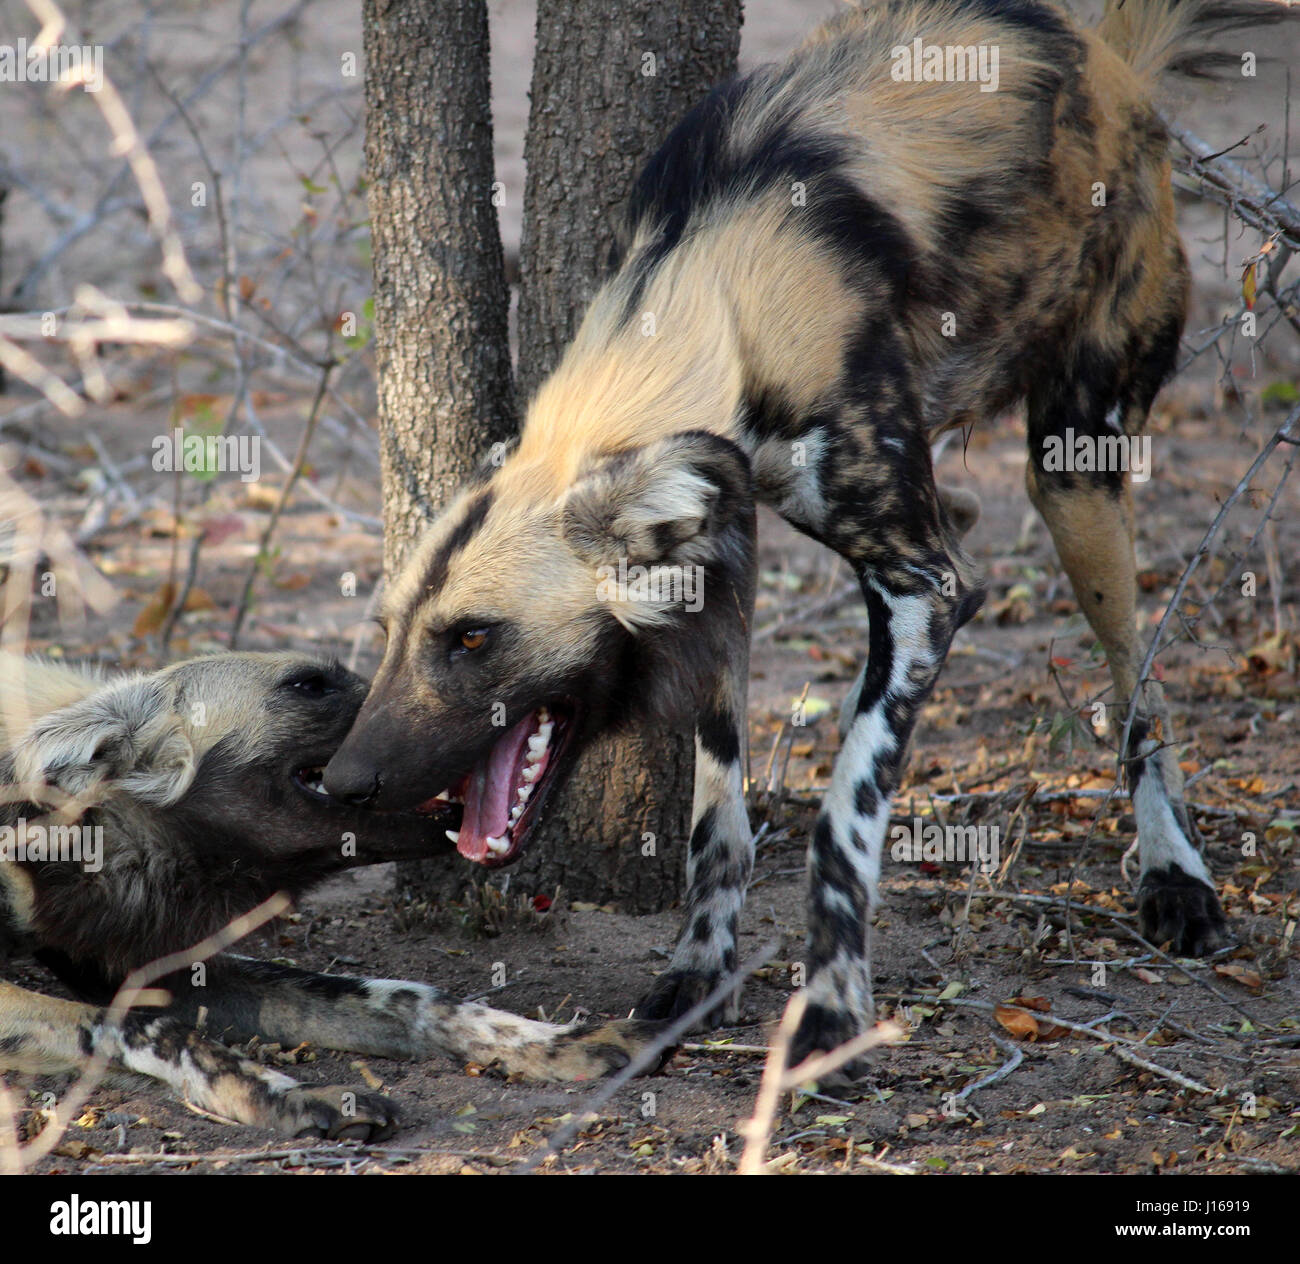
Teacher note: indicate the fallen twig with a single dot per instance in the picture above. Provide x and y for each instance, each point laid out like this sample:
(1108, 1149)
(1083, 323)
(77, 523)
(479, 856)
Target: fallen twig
(1120, 1045)
(263, 546)
(1017, 1057)
(778, 1079)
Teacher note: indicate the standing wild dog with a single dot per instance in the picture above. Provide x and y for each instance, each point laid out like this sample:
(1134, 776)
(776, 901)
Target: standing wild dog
(827, 263)
(142, 813)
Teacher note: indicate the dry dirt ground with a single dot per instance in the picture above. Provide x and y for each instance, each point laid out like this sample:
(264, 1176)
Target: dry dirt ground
(1011, 712)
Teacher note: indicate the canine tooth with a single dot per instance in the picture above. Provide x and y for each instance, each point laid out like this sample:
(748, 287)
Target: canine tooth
(454, 835)
(531, 773)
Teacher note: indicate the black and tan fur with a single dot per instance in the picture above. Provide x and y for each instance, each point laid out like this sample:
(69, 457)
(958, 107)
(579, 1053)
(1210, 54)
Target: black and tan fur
(822, 268)
(202, 779)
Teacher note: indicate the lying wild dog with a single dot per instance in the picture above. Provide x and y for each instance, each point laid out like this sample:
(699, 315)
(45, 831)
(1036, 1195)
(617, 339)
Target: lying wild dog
(826, 264)
(139, 814)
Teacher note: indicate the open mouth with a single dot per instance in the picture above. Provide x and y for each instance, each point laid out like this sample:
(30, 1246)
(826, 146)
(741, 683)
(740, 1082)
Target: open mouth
(310, 781)
(503, 793)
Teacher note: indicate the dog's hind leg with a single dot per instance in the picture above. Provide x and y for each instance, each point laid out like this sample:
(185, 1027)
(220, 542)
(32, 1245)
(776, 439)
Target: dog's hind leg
(390, 1018)
(1089, 513)
(44, 1035)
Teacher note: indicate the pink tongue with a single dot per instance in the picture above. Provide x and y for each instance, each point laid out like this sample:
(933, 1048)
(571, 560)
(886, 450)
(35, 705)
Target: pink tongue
(490, 792)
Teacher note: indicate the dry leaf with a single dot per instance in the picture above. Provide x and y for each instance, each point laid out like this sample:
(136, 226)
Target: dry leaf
(75, 1150)
(1240, 974)
(152, 617)
(1040, 1003)
(1021, 1025)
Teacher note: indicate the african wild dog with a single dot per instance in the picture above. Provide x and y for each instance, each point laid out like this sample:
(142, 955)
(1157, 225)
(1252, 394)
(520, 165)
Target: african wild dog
(141, 813)
(823, 266)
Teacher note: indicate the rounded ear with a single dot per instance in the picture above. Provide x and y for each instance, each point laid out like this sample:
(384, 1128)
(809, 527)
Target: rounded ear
(667, 503)
(124, 739)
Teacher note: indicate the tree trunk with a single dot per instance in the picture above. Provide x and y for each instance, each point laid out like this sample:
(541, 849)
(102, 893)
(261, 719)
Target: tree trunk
(441, 303)
(440, 297)
(610, 80)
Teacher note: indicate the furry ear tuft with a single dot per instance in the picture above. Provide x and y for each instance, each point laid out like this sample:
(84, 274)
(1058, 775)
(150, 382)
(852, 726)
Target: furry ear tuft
(660, 504)
(124, 739)
(651, 520)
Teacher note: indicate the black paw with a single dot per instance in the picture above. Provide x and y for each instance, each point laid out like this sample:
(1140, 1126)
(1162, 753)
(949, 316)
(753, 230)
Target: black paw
(341, 1114)
(677, 991)
(1175, 907)
(823, 1030)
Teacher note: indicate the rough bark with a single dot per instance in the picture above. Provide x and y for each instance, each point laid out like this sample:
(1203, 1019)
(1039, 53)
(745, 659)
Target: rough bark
(440, 296)
(596, 116)
(610, 79)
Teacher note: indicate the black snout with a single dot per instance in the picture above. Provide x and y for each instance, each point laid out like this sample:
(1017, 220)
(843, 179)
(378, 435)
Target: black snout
(351, 780)
(389, 761)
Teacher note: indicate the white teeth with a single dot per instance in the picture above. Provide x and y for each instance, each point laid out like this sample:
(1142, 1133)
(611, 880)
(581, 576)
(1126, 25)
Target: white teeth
(536, 744)
(516, 812)
(498, 845)
(523, 792)
(531, 773)
(543, 731)
(454, 835)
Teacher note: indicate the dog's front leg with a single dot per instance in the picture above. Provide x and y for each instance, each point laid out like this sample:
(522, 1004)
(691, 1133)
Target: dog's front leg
(392, 1018)
(44, 1035)
(909, 637)
(719, 860)
(720, 854)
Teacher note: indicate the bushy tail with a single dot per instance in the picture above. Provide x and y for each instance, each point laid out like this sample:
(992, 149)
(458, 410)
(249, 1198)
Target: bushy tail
(1179, 36)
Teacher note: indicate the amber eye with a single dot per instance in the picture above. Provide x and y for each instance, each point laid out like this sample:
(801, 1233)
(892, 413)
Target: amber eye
(474, 640)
